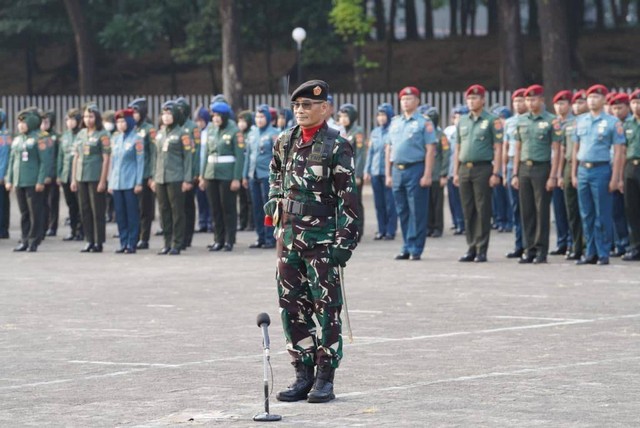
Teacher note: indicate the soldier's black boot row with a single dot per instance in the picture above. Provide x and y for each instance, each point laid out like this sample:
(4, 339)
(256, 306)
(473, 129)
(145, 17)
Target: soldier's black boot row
(322, 390)
(299, 389)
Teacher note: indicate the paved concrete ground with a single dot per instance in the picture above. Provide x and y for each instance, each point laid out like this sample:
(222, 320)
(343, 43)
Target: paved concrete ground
(144, 340)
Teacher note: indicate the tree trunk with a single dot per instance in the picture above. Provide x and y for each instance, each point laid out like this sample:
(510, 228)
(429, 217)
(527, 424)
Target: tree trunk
(84, 46)
(389, 44)
(231, 61)
(463, 17)
(532, 25)
(380, 20)
(575, 20)
(599, 14)
(453, 18)
(411, 19)
(492, 15)
(616, 13)
(212, 76)
(268, 46)
(554, 38)
(472, 17)
(428, 19)
(512, 62)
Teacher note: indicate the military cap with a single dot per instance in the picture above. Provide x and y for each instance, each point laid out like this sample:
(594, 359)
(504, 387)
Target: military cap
(609, 97)
(518, 93)
(220, 108)
(621, 98)
(121, 114)
(534, 91)
(635, 95)
(264, 109)
(312, 89)
(598, 89)
(579, 95)
(562, 96)
(409, 90)
(475, 90)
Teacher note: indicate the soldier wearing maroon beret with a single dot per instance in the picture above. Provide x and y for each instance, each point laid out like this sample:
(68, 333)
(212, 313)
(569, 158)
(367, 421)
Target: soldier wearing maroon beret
(535, 172)
(631, 176)
(477, 168)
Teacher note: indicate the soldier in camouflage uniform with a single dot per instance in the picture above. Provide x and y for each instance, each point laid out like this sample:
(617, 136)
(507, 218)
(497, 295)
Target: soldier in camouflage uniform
(147, 200)
(313, 202)
(66, 154)
(347, 117)
(29, 164)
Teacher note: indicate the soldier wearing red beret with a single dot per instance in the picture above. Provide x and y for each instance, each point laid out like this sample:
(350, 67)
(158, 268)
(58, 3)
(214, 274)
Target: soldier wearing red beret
(535, 173)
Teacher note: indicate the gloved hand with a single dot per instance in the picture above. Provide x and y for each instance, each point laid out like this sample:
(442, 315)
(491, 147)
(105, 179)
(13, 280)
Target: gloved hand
(340, 256)
(270, 207)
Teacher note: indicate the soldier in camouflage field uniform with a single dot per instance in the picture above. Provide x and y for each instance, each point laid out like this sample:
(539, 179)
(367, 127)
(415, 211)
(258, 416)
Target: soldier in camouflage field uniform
(314, 204)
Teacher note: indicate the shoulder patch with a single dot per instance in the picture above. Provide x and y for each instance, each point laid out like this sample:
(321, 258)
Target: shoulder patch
(359, 140)
(186, 142)
(152, 133)
(429, 126)
(240, 139)
(106, 141)
(497, 124)
(444, 141)
(619, 128)
(139, 146)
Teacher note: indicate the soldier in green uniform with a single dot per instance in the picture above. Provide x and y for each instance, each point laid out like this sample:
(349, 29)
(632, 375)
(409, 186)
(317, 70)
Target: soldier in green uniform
(535, 175)
(578, 106)
(313, 202)
(477, 168)
(347, 117)
(192, 129)
(631, 177)
(64, 165)
(51, 188)
(147, 201)
(223, 175)
(173, 176)
(90, 170)
(435, 224)
(29, 164)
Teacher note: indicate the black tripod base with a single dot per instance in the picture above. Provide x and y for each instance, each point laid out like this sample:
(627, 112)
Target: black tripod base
(266, 417)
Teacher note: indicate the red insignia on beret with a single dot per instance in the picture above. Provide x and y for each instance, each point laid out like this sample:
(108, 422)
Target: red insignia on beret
(620, 98)
(562, 96)
(534, 91)
(598, 89)
(475, 90)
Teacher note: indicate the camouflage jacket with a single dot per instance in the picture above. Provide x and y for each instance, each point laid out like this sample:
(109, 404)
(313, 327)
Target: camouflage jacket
(312, 183)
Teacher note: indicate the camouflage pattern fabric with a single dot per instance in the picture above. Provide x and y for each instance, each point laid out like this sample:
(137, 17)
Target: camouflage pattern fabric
(308, 281)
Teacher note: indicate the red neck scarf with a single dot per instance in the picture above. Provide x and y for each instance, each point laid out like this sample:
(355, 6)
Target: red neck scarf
(308, 133)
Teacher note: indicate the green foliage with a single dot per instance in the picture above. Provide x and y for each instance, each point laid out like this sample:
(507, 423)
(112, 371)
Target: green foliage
(350, 22)
(203, 38)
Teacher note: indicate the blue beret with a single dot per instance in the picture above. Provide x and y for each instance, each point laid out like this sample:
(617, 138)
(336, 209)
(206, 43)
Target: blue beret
(220, 108)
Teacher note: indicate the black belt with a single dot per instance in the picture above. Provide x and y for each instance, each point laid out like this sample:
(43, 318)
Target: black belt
(478, 163)
(402, 166)
(532, 162)
(590, 165)
(298, 208)
(634, 162)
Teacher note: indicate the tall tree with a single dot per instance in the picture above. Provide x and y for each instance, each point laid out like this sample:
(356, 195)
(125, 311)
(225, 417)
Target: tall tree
(492, 17)
(380, 20)
(231, 59)
(84, 46)
(453, 17)
(512, 62)
(411, 19)
(389, 43)
(532, 24)
(554, 38)
(599, 14)
(350, 23)
(464, 12)
(428, 19)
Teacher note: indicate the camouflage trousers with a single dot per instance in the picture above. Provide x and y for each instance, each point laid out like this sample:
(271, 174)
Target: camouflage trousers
(308, 287)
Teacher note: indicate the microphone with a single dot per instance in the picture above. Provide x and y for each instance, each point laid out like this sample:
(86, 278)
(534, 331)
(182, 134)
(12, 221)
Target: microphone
(263, 322)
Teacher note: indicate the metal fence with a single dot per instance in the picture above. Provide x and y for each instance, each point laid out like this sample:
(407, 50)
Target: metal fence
(366, 103)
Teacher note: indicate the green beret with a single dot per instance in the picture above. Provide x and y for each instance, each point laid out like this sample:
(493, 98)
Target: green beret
(313, 89)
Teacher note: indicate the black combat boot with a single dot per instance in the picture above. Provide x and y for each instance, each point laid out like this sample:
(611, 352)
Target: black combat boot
(322, 390)
(299, 389)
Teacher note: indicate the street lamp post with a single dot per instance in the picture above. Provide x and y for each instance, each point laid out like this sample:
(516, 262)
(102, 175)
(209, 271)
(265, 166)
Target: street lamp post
(299, 34)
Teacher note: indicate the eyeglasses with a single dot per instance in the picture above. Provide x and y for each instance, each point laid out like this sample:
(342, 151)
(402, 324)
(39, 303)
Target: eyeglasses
(306, 105)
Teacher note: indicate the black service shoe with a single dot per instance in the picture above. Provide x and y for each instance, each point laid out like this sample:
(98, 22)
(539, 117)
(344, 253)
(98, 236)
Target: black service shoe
(33, 248)
(480, 258)
(20, 248)
(142, 245)
(51, 232)
(87, 248)
(402, 256)
(587, 260)
(603, 261)
(164, 251)
(174, 252)
(526, 259)
(322, 390)
(227, 247)
(515, 254)
(256, 244)
(436, 234)
(617, 253)
(573, 256)
(300, 387)
(632, 255)
(539, 260)
(97, 248)
(414, 257)
(69, 237)
(467, 257)
(216, 247)
(558, 251)
(120, 250)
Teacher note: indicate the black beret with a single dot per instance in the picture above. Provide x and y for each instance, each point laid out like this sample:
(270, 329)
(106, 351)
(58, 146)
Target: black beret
(313, 89)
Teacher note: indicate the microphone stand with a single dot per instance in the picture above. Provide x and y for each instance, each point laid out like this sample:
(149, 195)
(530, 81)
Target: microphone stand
(266, 416)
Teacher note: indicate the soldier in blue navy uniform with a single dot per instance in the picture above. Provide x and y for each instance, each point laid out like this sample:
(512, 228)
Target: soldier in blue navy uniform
(375, 174)
(409, 168)
(595, 176)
